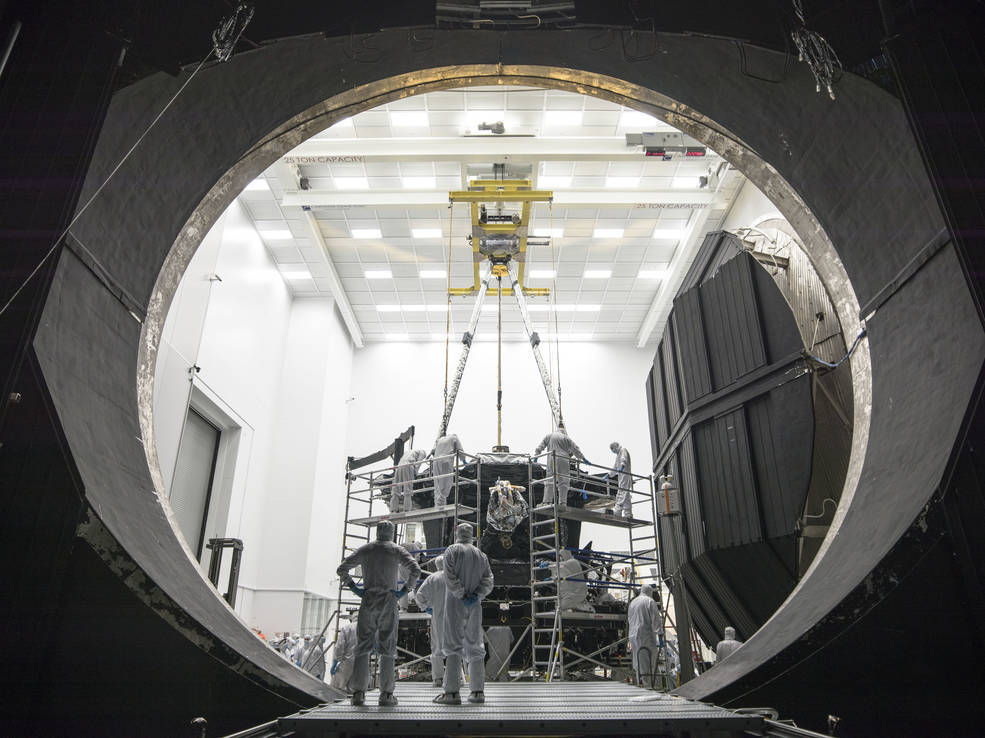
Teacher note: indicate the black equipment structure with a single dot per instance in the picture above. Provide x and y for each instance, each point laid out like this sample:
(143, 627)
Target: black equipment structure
(733, 422)
(217, 546)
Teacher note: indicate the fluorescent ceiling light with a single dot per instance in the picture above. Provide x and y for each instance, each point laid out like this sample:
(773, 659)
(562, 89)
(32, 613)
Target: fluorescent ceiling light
(544, 308)
(300, 274)
(257, 185)
(433, 274)
(344, 123)
(351, 183)
(686, 183)
(412, 308)
(607, 233)
(636, 118)
(622, 182)
(542, 273)
(652, 273)
(547, 181)
(563, 118)
(409, 119)
(366, 233)
(378, 274)
(425, 232)
(418, 183)
(549, 232)
(597, 274)
(668, 234)
(396, 336)
(278, 234)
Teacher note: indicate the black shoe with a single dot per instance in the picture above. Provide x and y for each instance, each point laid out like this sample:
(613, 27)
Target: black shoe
(387, 699)
(477, 698)
(358, 698)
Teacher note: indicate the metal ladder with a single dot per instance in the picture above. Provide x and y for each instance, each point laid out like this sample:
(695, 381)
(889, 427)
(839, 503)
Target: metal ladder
(546, 643)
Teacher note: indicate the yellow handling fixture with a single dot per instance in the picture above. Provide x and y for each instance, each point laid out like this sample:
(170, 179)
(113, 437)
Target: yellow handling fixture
(499, 237)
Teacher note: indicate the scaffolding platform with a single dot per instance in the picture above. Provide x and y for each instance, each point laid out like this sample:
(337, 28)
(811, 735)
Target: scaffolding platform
(582, 615)
(591, 516)
(524, 709)
(413, 616)
(417, 516)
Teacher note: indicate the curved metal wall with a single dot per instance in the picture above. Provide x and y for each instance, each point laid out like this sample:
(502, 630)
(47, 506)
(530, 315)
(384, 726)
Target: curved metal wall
(846, 170)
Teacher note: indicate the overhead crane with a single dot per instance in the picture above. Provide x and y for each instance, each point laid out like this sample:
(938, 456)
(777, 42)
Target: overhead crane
(499, 238)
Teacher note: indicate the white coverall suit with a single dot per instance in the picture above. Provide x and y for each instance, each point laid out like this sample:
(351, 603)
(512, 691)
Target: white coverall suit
(573, 595)
(344, 653)
(646, 630)
(431, 594)
(378, 612)
(402, 488)
(442, 469)
(624, 479)
(467, 571)
(558, 464)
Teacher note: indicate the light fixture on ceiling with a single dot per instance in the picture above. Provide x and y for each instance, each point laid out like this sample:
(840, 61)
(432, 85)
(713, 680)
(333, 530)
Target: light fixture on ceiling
(257, 185)
(409, 119)
(425, 232)
(549, 232)
(418, 183)
(389, 308)
(546, 307)
(597, 274)
(433, 274)
(366, 233)
(351, 183)
(552, 182)
(688, 183)
(343, 123)
(563, 118)
(378, 274)
(607, 233)
(627, 183)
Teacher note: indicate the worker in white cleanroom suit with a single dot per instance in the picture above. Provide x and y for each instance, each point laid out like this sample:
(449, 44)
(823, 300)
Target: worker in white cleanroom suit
(558, 447)
(344, 654)
(646, 633)
(573, 595)
(623, 472)
(403, 575)
(446, 452)
(314, 659)
(468, 579)
(378, 612)
(402, 488)
(431, 598)
(727, 647)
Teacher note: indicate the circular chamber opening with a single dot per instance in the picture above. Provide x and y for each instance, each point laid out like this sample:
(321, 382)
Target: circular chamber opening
(686, 305)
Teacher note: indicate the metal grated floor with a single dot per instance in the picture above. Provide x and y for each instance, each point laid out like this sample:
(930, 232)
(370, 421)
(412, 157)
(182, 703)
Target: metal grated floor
(557, 709)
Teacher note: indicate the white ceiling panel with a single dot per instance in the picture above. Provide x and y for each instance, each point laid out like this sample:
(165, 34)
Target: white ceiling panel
(411, 146)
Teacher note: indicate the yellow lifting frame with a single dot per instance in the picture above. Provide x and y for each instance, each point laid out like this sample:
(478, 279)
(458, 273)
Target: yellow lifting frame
(500, 191)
